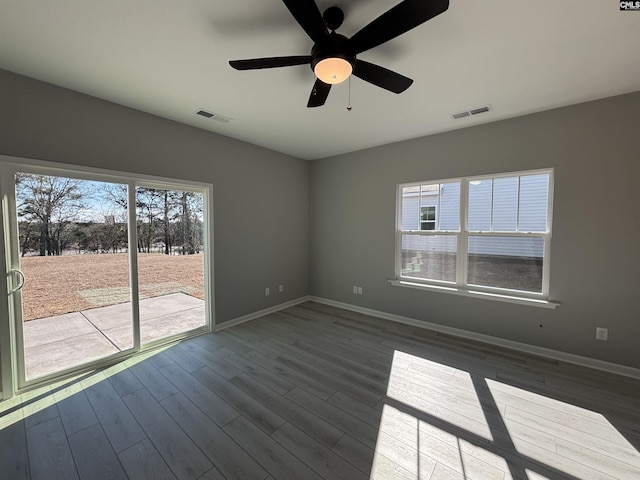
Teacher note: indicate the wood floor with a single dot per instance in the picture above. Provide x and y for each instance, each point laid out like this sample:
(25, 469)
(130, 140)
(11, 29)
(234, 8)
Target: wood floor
(315, 392)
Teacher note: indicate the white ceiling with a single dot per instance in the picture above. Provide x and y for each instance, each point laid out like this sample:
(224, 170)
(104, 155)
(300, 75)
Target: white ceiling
(169, 58)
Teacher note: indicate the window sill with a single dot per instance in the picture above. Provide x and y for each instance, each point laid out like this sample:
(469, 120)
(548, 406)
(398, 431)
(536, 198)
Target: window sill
(476, 294)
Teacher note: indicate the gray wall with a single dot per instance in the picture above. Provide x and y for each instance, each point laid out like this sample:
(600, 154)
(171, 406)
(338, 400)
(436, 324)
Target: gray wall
(595, 249)
(351, 203)
(257, 243)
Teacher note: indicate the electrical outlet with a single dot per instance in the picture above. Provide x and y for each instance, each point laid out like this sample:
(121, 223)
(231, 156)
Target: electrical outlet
(602, 333)
(281, 288)
(359, 290)
(266, 292)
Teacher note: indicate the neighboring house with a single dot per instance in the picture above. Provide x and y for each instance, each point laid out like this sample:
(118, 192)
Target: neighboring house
(501, 205)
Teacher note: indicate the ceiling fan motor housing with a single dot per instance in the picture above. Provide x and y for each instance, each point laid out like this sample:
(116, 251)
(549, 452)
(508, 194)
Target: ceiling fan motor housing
(336, 46)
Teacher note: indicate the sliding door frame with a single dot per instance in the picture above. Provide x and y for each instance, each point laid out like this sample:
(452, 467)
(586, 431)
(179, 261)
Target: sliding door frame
(7, 351)
(12, 369)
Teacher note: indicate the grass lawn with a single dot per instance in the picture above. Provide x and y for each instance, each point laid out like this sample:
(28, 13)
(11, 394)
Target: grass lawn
(71, 283)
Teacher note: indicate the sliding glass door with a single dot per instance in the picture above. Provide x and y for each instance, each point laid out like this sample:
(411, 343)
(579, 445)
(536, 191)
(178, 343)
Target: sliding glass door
(73, 269)
(170, 251)
(99, 266)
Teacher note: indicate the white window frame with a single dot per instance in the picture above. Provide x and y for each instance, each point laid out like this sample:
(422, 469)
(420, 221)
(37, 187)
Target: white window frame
(460, 285)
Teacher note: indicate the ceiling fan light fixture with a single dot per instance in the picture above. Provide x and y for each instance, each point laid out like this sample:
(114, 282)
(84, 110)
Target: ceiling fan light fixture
(333, 70)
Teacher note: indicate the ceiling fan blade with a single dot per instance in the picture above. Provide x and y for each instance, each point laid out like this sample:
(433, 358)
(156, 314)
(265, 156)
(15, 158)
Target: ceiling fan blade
(396, 21)
(319, 93)
(269, 62)
(308, 15)
(381, 77)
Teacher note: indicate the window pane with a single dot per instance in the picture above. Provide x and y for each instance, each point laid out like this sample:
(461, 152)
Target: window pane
(438, 204)
(506, 262)
(429, 198)
(428, 213)
(430, 257)
(76, 300)
(505, 204)
(479, 213)
(534, 195)
(427, 225)
(449, 206)
(411, 208)
(170, 261)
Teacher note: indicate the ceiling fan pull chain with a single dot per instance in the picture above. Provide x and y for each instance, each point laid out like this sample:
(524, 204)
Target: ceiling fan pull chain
(349, 101)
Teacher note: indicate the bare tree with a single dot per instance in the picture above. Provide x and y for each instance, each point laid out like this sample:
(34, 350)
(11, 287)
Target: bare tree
(170, 217)
(49, 202)
(115, 194)
(29, 233)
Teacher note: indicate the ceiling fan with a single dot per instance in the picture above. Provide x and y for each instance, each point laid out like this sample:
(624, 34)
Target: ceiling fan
(333, 56)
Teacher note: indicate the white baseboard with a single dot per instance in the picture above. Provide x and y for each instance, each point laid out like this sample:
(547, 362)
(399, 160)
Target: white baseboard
(501, 342)
(260, 313)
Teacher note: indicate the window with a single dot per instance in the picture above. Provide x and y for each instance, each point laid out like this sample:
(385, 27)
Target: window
(428, 217)
(488, 234)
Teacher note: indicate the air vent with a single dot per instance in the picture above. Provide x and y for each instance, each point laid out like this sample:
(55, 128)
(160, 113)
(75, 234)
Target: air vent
(213, 116)
(205, 114)
(476, 111)
(461, 115)
(469, 113)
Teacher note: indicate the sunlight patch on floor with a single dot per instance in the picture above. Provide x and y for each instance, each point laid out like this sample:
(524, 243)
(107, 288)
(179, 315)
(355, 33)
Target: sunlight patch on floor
(440, 422)
(421, 450)
(538, 424)
(437, 390)
(33, 402)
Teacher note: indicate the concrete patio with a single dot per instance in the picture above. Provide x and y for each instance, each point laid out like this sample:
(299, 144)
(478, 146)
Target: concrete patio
(63, 341)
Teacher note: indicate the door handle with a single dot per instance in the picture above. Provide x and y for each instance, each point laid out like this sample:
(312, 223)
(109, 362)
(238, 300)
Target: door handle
(21, 282)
